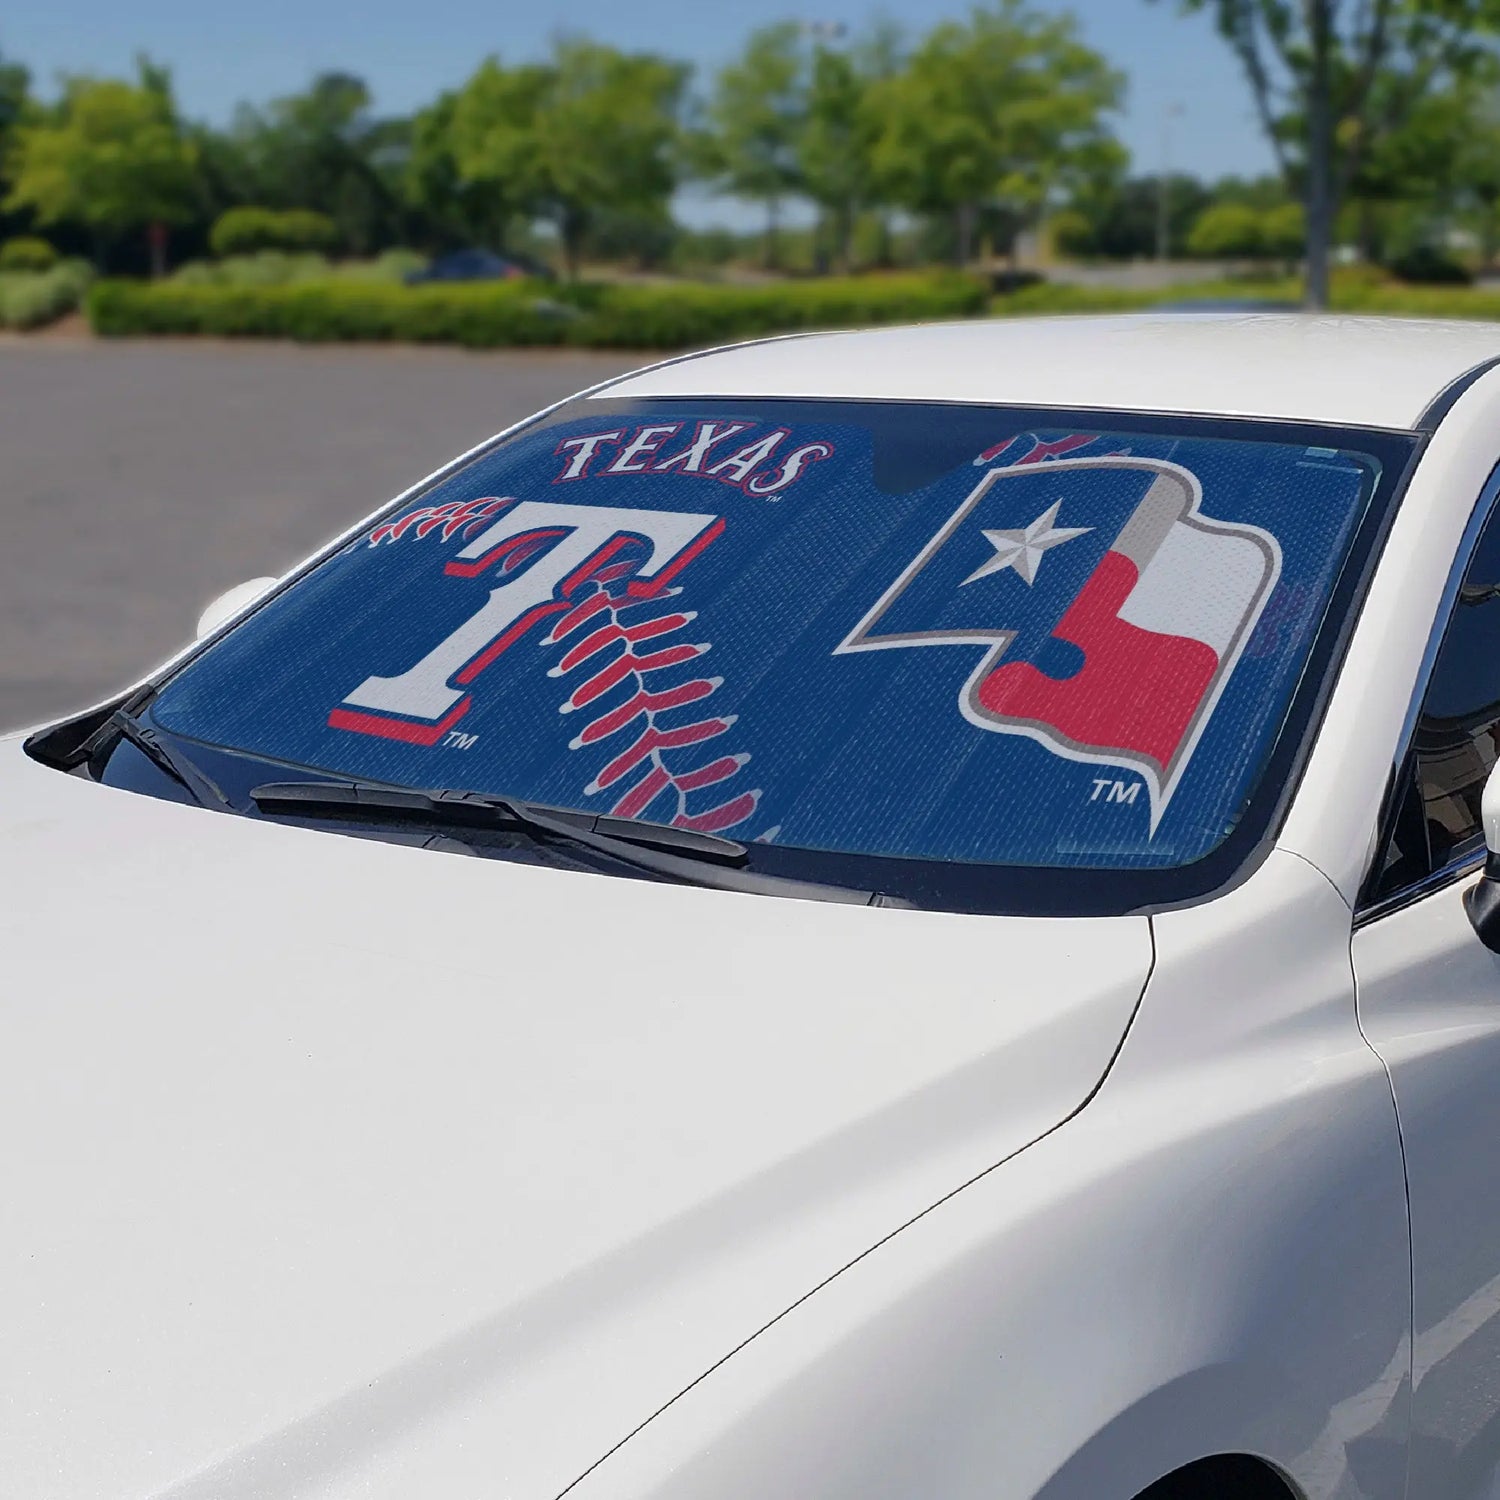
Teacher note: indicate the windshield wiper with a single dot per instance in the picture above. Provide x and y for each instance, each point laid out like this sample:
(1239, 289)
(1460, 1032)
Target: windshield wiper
(166, 760)
(456, 809)
(682, 854)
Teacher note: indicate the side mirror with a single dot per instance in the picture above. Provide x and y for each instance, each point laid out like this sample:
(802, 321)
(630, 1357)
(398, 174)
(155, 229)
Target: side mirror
(230, 603)
(1482, 902)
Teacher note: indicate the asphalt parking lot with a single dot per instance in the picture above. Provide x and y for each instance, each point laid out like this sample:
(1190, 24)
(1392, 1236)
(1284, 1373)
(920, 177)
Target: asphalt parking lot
(138, 480)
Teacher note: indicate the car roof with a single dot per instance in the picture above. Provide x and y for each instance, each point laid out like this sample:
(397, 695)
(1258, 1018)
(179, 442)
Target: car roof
(1375, 372)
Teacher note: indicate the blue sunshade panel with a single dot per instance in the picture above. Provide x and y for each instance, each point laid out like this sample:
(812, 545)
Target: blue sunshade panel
(1066, 648)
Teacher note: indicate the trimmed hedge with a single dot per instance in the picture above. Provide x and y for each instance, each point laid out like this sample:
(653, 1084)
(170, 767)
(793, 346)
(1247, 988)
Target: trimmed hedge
(1063, 297)
(637, 316)
(282, 268)
(27, 252)
(496, 314)
(325, 311)
(1355, 290)
(677, 315)
(32, 299)
(243, 231)
(1422, 301)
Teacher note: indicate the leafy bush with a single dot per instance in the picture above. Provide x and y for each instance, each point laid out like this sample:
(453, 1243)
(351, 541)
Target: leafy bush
(196, 273)
(280, 268)
(1227, 230)
(263, 268)
(27, 252)
(243, 231)
(1429, 265)
(493, 314)
(30, 299)
(393, 265)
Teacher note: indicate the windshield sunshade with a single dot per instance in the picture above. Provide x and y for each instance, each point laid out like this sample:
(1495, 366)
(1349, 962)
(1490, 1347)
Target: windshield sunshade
(897, 631)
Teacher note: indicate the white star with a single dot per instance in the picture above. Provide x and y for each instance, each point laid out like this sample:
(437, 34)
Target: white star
(1022, 550)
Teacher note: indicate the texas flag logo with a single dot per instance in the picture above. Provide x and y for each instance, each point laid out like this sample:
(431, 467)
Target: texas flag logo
(1107, 612)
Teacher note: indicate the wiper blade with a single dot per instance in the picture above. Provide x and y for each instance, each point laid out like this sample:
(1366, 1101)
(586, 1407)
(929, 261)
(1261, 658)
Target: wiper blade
(682, 854)
(480, 810)
(169, 762)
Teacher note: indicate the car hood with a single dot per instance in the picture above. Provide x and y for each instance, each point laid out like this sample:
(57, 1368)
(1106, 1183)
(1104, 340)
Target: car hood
(332, 1167)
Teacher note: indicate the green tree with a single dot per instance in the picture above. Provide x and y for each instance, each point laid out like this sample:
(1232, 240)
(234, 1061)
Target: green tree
(754, 122)
(644, 237)
(323, 149)
(1404, 175)
(999, 111)
(1263, 193)
(1433, 161)
(592, 131)
(834, 148)
(1320, 74)
(447, 208)
(1123, 213)
(15, 104)
(112, 157)
(15, 97)
(1476, 167)
(490, 138)
(881, 53)
(838, 129)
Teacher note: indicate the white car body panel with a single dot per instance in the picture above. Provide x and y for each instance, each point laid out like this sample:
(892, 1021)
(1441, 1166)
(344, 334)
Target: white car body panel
(383, 1150)
(337, 1187)
(1375, 372)
(1211, 1257)
(1429, 1001)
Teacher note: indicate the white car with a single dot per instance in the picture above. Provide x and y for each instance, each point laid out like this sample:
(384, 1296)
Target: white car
(878, 916)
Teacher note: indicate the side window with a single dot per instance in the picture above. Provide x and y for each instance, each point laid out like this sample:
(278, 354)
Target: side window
(1457, 734)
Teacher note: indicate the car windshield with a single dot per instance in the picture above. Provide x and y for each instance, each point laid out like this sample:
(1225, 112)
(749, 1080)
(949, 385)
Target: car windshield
(948, 635)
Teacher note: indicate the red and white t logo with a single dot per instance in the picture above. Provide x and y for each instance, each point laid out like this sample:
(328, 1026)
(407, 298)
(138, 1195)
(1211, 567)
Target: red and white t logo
(423, 702)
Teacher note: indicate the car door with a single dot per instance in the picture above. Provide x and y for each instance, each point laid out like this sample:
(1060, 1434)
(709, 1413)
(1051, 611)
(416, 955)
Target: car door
(1429, 1002)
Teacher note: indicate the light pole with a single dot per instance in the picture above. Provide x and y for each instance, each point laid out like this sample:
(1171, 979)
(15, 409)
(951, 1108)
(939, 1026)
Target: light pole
(1164, 184)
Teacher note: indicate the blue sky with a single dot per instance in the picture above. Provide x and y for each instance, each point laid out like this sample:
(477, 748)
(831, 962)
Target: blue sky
(222, 54)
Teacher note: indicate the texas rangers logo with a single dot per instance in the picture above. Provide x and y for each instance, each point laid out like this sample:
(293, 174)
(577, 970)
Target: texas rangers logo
(1108, 613)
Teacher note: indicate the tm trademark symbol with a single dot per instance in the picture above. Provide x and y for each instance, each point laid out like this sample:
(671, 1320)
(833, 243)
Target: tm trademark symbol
(455, 740)
(1106, 789)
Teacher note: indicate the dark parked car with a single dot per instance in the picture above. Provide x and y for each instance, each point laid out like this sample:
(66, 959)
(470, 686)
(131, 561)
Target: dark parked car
(479, 265)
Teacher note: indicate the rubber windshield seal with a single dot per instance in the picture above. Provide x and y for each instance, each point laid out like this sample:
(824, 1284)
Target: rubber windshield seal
(1447, 398)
